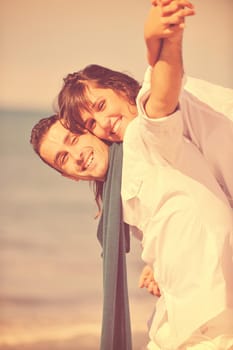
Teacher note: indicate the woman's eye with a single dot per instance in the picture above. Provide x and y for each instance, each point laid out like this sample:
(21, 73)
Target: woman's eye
(90, 124)
(101, 105)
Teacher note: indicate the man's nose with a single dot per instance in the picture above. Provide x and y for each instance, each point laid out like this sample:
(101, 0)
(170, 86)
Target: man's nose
(79, 158)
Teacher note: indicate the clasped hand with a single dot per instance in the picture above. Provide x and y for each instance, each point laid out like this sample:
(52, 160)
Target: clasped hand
(166, 17)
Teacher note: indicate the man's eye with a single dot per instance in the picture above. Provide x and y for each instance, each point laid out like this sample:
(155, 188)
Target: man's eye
(90, 124)
(74, 140)
(64, 159)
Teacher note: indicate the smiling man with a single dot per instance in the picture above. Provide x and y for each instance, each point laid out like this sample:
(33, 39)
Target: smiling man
(77, 156)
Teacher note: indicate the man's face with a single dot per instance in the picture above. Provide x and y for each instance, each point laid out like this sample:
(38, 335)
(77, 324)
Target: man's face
(80, 157)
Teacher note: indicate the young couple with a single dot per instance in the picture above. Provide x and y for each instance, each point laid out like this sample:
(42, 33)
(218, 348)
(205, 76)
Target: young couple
(176, 184)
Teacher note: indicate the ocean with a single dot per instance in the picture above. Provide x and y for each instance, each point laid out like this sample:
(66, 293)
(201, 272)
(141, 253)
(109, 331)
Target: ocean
(50, 259)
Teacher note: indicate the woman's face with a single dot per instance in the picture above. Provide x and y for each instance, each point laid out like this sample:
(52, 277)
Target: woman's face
(80, 157)
(110, 114)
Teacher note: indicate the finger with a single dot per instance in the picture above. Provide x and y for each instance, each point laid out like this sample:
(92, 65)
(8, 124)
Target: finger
(141, 281)
(173, 29)
(169, 9)
(147, 282)
(150, 287)
(186, 3)
(140, 284)
(153, 289)
(181, 25)
(164, 2)
(144, 281)
(156, 291)
(180, 3)
(181, 13)
(175, 6)
(185, 13)
(145, 272)
(177, 18)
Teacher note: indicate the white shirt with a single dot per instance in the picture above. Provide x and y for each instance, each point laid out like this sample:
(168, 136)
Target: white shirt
(170, 194)
(208, 121)
(207, 113)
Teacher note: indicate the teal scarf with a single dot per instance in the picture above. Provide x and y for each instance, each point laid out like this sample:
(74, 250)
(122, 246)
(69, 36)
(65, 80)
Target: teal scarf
(113, 235)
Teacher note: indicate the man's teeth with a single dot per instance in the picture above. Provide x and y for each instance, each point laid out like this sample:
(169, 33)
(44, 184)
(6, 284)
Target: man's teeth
(89, 161)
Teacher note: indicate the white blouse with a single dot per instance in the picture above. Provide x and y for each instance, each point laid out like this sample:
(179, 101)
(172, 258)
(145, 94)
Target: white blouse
(207, 114)
(170, 194)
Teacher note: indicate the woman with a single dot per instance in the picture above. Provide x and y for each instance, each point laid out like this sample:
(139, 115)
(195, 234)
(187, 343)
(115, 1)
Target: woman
(104, 102)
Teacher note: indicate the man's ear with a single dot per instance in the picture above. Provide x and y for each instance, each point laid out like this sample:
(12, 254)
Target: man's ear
(70, 177)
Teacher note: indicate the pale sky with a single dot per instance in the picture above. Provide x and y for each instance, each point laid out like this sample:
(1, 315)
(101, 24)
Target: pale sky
(43, 40)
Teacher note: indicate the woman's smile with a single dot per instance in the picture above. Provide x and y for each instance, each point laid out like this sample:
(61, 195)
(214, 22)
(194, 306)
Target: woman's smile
(109, 119)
